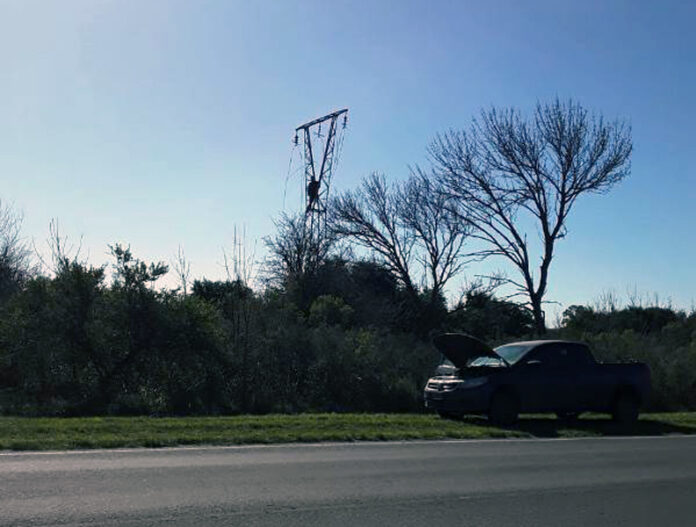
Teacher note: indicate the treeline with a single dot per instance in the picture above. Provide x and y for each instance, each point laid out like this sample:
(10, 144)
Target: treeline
(79, 343)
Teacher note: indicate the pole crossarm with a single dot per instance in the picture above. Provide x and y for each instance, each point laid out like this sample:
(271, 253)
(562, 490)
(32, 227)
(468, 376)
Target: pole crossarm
(320, 120)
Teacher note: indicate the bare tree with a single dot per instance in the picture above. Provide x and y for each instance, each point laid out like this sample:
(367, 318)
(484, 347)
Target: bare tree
(15, 254)
(440, 235)
(182, 269)
(371, 217)
(61, 250)
(506, 164)
(403, 224)
(241, 265)
(295, 250)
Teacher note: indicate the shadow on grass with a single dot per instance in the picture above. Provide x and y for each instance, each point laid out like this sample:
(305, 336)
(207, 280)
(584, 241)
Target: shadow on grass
(588, 427)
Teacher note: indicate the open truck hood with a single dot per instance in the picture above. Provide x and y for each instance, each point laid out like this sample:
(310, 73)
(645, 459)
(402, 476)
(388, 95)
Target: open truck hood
(461, 349)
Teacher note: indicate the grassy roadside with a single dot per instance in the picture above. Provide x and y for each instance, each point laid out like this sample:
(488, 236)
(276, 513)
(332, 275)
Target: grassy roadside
(26, 433)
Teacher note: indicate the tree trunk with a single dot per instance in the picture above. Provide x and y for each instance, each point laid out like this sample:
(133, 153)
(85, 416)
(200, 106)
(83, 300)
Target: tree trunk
(538, 314)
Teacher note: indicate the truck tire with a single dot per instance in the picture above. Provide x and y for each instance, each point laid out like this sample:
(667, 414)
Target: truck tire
(504, 409)
(626, 408)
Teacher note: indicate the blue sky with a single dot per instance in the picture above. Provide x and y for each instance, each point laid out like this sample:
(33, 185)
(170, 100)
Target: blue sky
(161, 124)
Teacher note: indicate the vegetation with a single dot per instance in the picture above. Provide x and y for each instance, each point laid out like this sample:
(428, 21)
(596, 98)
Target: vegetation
(22, 433)
(73, 344)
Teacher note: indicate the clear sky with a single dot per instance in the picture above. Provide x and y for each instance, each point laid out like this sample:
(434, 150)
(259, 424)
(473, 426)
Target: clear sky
(165, 123)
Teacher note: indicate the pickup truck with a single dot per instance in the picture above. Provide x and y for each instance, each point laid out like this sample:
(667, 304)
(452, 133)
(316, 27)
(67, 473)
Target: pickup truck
(532, 377)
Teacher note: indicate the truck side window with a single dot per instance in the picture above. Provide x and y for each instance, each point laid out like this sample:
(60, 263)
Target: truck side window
(555, 357)
(579, 355)
(563, 356)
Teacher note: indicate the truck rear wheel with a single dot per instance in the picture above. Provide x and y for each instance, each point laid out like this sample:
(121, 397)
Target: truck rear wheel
(504, 409)
(626, 408)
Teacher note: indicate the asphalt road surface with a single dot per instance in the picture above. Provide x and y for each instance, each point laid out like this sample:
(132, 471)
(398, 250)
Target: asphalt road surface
(627, 481)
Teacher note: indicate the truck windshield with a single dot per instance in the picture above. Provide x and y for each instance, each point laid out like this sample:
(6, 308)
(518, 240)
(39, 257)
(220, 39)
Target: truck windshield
(511, 353)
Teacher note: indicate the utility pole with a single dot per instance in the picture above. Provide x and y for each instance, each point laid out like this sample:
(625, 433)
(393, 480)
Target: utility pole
(318, 182)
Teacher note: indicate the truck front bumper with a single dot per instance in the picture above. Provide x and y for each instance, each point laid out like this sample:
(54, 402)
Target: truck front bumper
(459, 401)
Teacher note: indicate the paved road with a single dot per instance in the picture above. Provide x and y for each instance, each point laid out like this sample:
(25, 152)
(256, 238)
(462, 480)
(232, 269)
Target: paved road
(632, 482)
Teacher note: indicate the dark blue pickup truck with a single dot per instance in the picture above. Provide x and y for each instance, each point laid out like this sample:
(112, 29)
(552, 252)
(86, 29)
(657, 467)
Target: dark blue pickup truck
(532, 377)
